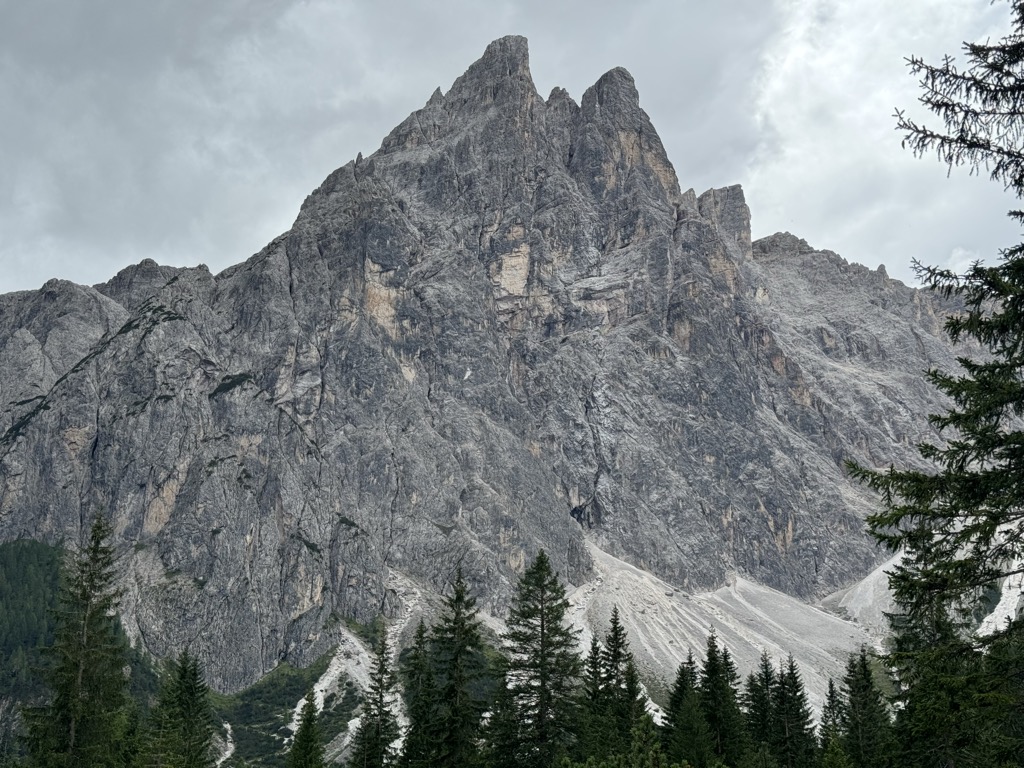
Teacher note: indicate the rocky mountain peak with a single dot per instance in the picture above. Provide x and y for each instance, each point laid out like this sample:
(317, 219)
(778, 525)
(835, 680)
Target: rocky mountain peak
(505, 330)
(619, 137)
(500, 77)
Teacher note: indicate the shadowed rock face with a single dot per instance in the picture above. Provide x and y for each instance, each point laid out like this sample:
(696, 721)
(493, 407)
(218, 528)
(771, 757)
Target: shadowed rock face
(507, 329)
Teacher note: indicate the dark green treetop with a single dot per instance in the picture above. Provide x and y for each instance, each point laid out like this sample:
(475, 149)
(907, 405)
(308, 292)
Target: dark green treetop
(373, 743)
(422, 704)
(181, 726)
(458, 653)
(793, 742)
(307, 750)
(543, 664)
(718, 702)
(867, 737)
(86, 720)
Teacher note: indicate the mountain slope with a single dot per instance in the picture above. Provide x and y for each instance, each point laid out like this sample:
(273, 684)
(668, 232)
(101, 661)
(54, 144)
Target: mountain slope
(507, 329)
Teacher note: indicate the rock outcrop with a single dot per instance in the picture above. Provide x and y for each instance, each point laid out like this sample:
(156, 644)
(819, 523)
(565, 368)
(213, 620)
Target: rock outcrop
(506, 329)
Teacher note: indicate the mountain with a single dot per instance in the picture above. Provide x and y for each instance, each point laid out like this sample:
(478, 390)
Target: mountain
(507, 329)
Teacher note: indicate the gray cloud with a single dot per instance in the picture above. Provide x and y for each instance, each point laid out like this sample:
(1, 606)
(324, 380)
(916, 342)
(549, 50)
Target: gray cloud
(190, 131)
(830, 167)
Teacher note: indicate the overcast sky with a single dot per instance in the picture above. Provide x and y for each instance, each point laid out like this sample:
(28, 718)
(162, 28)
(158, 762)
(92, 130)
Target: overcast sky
(189, 131)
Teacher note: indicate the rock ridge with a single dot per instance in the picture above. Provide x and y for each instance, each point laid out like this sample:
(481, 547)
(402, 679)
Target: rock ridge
(505, 330)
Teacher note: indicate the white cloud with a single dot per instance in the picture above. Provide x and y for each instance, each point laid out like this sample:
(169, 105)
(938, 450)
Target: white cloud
(830, 166)
(190, 132)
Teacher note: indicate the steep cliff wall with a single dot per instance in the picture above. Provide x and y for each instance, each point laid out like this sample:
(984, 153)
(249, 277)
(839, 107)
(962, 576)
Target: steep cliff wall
(507, 329)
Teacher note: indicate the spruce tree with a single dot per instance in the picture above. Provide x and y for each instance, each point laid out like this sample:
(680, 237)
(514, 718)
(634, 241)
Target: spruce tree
(461, 666)
(950, 701)
(594, 719)
(372, 745)
(867, 737)
(644, 745)
(759, 755)
(621, 695)
(181, 725)
(718, 702)
(1004, 663)
(86, 720)
(502, 735)
(615, 653)
(834, 757)
(794, 744)
(685, 735)
(633, 702)
(830, 728)
(307, 749)
(758, 708)
(422, 703)
(543, 664)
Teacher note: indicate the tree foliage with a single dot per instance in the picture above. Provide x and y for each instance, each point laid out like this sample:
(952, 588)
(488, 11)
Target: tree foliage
(685, 736)
(460, 664)
(543, 664)
(867, 737)
(373, 743)
(307, 749)
(793, 742)
(719, 703)
(181, 725)
(422, 703)
(86, 721)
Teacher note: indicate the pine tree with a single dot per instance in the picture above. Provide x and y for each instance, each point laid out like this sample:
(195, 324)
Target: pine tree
(460, 665)
(422, 704)
(867, 731)
(594, 718)
(378, 728)
(633, 703)
(758, 756)
(615, 653)
(718, 701)
(645, 746)
(502, 736)
(685, 736)
(86, 721)
(834, 756)
(830, 728)
(543, 664)
(758, 709)
(181, 725)
(307, 750)
(950, 702)
(1004, 664)
(621, 695)
(793, 744)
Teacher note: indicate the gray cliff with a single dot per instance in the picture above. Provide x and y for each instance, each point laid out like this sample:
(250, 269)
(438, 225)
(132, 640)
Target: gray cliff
(506, 329)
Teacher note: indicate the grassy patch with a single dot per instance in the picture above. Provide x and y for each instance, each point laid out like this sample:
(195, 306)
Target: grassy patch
(260, 715)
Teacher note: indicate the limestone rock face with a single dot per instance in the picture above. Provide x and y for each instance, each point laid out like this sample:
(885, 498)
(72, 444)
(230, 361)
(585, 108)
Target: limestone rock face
(507, 329)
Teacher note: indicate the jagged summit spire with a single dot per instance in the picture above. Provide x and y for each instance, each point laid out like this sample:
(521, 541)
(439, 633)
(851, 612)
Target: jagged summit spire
(502, 73)
(615, 85)
(513, 50)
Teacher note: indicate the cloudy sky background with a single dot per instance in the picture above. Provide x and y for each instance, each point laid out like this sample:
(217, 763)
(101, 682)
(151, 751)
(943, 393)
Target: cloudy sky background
(190, 132)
